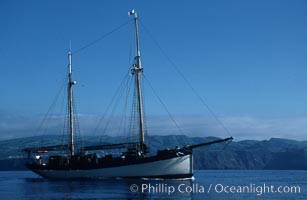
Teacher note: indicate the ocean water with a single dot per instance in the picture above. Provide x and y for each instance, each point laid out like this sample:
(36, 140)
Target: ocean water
(207, 184)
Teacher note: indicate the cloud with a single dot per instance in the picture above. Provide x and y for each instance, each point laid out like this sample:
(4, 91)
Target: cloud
(240, 127)
(264, 128)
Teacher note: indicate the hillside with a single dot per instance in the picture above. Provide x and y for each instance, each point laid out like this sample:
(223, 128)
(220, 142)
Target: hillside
(279, 154)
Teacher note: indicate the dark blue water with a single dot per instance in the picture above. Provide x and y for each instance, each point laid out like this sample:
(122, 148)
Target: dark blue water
(208, 184)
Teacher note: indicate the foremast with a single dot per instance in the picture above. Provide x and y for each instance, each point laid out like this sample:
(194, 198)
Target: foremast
(70, 104)
(136, 70)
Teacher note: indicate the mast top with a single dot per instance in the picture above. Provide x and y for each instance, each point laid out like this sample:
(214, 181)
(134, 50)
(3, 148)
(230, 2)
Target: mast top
(137, 67)
(133, 12)
(69, 61)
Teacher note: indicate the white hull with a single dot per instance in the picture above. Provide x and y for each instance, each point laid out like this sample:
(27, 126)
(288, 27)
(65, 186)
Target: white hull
(163, 168)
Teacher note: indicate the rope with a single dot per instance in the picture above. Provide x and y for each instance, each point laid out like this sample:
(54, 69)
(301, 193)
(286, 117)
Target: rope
(185, 79)
(110, 104)
(65, 130)
(144, 110)
(129, 86)
(124, 114)
(79, 137)
(163, 105)
(48, 114)
(133, 117)
(102, 37)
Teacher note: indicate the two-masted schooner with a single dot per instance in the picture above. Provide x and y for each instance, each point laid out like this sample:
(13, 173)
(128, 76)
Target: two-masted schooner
(135, 160)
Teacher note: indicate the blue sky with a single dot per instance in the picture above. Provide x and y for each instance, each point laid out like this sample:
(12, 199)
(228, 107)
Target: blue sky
(248, 59)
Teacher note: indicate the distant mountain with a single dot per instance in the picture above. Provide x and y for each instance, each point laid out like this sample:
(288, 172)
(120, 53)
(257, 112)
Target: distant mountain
(279, 154)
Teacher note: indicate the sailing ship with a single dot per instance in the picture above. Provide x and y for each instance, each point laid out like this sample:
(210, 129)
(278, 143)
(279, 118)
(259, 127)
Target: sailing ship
(135, 160)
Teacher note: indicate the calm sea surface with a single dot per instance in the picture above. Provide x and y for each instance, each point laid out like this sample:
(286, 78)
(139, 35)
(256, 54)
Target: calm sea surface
(207, 184)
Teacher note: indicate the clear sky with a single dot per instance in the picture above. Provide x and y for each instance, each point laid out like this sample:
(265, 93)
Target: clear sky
(248, 59)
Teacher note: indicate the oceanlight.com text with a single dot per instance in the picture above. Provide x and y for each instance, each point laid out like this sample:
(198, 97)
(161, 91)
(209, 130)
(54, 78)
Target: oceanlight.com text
(257, 189)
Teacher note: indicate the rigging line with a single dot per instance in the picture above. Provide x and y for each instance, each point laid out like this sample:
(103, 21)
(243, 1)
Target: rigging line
(144, 109)
(186, 80)
(115, 99)
(65, 117)
(132, 115)
(226, 145)
(128, 92)
(123, 117)
(116, 102)
(114, 96)
(79, 139)
(163, 105)
(110, 104)
(65, 124)
(47, 115)
(102, 37)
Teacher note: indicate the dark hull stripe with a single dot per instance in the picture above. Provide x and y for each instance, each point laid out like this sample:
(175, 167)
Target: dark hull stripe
(106, 164)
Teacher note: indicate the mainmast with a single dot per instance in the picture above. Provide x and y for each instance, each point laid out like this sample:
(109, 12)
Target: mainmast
(136, 70)
(70, 103)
